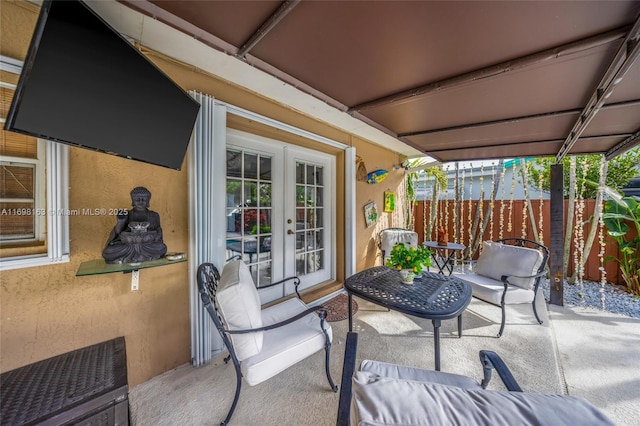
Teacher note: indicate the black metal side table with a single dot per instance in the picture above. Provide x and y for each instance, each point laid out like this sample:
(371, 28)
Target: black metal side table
(445, 253)
(433, 296)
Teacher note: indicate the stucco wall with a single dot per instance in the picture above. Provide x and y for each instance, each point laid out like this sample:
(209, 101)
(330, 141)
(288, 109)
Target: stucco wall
(47, 310)
(375, 158)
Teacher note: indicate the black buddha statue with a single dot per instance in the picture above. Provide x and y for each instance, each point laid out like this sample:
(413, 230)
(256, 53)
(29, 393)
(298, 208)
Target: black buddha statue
(137, 236)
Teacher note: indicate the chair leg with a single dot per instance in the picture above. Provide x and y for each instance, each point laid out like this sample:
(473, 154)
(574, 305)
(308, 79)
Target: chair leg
(236, 396)
(535, 311)
(504, 314)
(327, 351)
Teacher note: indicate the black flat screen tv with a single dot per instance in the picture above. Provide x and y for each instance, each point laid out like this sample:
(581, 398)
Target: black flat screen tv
(84, 84)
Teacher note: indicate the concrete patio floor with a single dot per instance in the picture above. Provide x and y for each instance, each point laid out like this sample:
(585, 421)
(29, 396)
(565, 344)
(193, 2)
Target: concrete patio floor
(599, 359)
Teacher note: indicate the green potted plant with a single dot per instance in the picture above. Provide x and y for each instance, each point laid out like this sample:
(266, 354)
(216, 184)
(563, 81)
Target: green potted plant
(409, 261)
(619, 213)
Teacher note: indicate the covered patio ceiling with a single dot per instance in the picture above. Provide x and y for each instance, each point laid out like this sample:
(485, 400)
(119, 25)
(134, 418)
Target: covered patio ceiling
(453, 80)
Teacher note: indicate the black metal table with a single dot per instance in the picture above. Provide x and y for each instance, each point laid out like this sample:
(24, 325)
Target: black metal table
(445, 253)
(433, 296)
(250, 248)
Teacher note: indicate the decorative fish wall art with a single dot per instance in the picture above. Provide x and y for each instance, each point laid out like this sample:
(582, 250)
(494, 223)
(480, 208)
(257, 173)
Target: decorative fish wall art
(377, 176)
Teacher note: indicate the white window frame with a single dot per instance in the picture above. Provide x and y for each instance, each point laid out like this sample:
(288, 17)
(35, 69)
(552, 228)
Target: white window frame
(56, 174)
(38, 163)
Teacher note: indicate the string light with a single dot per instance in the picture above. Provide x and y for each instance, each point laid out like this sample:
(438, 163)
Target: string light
(470, 199)
(491, 202)
(603, 272)
(424, 215)
(502, 182)
(524, 203)
(456, 203)
(578, 258)
(540, 209)
(481, 198)
(439, 206)
(513, 187)
(462, 208)
(446, 201)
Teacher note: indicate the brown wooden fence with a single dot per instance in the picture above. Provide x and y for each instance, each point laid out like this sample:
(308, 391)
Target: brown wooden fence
(592, 267)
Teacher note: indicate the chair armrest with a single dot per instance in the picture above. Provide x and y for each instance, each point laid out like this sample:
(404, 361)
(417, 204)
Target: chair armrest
(491, 360)
(348, 368)
(296, 283)
(322, 313)
(505, 278)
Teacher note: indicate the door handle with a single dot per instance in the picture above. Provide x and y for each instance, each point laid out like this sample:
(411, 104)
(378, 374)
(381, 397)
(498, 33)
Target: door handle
(290, 232)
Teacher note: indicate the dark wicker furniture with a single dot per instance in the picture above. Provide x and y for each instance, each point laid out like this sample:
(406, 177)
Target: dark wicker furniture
(87, 386)
(432, 296)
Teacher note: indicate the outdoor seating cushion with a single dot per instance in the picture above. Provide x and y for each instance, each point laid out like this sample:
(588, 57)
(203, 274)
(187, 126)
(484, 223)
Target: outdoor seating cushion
(490, 290)
(286, 345)
(378, 400)
(239, 305)
(395, 371)
(499, 259)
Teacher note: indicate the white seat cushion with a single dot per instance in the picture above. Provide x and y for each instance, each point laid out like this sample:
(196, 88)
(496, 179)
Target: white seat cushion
(387, 401)
(499, 259)
(239, 305)
(490, 290)
(284, 346)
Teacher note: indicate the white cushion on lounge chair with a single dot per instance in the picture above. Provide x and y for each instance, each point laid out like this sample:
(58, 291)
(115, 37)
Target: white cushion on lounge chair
(239, 305)
(380, 400)
(395, 371)
(490, 290)
(499, 259)
(286, 345)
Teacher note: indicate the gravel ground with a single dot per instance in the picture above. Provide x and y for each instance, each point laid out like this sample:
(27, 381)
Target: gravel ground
(590, 294)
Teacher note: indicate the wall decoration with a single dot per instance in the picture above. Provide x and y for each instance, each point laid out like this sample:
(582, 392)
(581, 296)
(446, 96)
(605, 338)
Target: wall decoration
(137, 235)
(361, 170)
(370, 213)
(389, 202)
(377, 176)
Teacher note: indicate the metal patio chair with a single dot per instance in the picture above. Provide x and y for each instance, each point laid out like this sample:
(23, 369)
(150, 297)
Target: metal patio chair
(381, 393)
(508, 272)
(387, 238)
(261, 342)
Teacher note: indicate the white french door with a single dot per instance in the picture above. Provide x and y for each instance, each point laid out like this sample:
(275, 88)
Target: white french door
(279, 211)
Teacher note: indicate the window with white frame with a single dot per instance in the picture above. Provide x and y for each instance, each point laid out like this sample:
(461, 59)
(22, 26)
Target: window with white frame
(33, 191)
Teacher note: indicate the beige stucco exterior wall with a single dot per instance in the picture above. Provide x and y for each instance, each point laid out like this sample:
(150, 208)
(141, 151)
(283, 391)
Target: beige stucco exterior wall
(375, 158)
(47, 310)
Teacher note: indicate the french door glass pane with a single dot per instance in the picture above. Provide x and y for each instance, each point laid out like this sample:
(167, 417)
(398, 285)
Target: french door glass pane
(234, 163)
(249, 209)
(309, 230)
